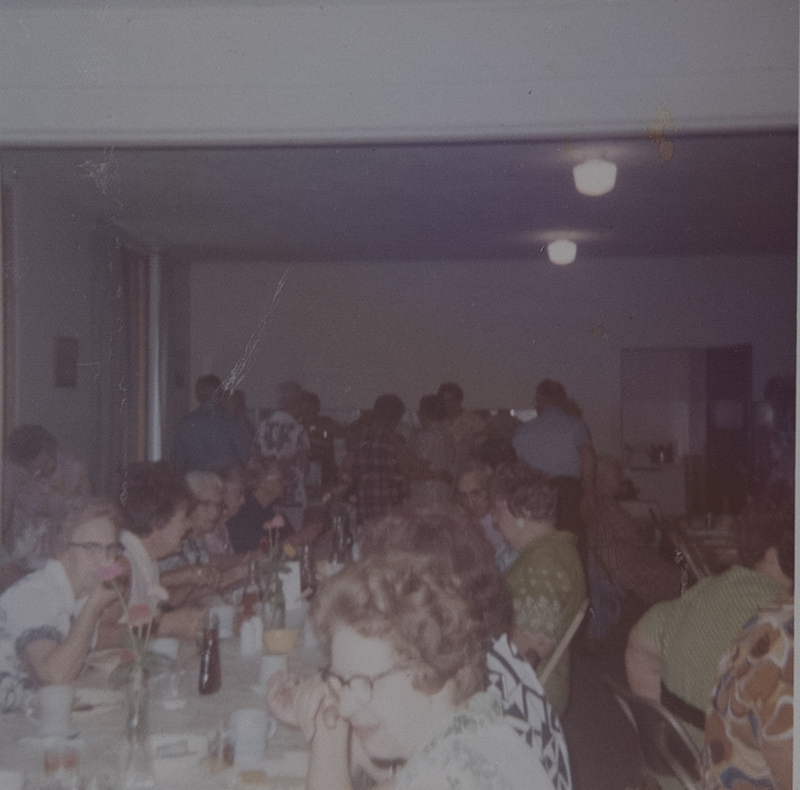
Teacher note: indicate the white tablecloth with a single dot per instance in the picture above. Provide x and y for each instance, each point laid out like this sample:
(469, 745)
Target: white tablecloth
(100, 734)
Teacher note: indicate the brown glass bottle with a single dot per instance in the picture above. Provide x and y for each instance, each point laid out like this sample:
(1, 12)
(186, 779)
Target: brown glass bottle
(210, 668)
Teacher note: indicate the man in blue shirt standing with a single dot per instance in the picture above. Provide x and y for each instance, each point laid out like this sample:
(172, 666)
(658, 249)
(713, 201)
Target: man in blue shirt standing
(207, 436)
(559, 444)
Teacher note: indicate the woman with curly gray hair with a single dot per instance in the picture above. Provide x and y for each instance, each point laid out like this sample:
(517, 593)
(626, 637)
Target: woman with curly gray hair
(405, 684)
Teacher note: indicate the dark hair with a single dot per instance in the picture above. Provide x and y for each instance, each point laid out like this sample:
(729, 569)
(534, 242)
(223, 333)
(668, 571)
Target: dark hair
(526, 491)
(26, 442)
(552, 391)
(453, 388)
(432, 406)
(415, 603)
(450, 535)
(151, 493)
(206, 388)
(388, 409)
(755, 533)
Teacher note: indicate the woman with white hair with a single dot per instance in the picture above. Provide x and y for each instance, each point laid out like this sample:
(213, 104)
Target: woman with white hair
(48, 619)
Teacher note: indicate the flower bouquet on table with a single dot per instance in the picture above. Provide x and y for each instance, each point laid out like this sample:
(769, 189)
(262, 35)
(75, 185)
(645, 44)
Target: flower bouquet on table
(137, 663)
(139, 621)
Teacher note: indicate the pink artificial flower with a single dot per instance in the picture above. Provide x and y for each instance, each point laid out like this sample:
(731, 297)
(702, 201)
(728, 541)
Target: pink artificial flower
(139, 614)
(110, 572)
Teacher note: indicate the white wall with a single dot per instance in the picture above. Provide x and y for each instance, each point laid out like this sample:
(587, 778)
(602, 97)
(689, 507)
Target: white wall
(117, 71)
(60, 261)
(350, 332)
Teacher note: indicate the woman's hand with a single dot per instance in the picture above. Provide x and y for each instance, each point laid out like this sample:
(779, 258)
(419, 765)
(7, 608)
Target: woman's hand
(299, 702)
(281, 692)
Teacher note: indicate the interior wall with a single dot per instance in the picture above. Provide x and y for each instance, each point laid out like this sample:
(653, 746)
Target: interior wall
(62, 287)
(350, 332)
(124, 72)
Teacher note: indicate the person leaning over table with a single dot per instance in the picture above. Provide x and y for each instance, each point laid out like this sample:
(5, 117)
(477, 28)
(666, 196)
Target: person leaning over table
(49, 618)
(674, 651)
(408, 665)
(546, 579)
(156, 507)
(207, 511)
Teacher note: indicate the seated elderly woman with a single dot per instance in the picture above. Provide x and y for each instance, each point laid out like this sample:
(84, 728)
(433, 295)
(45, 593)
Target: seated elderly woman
(49, 617)
(546, 579)
(408, 665)
(452, 537)
(207, 513)
(156, 506)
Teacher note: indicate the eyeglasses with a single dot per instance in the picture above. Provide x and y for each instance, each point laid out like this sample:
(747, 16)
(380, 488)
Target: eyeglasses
(106, 549)
(361, 687)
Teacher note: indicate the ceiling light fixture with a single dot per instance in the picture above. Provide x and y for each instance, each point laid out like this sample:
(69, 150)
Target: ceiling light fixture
(562, 251)
(594, 177)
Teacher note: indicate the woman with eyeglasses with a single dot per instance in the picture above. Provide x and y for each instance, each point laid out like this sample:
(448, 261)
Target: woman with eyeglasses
(404, 691)
(48, 619)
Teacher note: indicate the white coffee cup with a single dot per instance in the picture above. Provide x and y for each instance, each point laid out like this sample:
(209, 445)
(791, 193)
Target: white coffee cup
(269, 666)
(165, 646)
(11, 780)
(251, 728)
(54, 705)
(225, 614)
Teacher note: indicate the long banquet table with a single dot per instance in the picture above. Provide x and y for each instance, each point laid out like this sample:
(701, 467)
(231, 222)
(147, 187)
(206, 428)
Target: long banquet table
(100, 734)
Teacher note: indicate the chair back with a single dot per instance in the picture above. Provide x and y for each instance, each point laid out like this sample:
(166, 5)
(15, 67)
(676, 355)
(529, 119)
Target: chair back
(666, 746)
(555, 656)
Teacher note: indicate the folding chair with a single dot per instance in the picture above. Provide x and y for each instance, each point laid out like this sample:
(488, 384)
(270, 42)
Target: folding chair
(555, 656)
(666, 746)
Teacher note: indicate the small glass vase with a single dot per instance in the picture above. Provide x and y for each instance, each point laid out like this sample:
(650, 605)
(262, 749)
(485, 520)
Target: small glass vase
(137, 770)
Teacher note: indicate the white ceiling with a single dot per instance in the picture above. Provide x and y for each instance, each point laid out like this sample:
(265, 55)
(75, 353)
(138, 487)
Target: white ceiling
(718, 195)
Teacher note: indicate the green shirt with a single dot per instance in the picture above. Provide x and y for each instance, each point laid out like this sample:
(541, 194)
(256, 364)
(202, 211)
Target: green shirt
(548, 586)
(692, 632)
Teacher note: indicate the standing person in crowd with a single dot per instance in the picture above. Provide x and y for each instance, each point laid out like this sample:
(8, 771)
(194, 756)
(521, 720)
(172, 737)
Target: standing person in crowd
(674, 651)
(259, 518)
(156, 506)
(546, 579)
(405, 684)
(559, 444)
(283, 438)
(48, 619)
(473, 496)
(208, 436)
(41, 483)
(749, 735)
(467, 427)
(236, 406)
(379, 462)
(436, 451)
(322, 431)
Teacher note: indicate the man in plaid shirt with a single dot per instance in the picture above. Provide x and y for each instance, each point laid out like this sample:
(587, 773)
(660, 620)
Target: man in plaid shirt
(379, 462)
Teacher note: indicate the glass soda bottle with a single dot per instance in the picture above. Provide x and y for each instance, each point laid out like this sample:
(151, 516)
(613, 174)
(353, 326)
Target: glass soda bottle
(210, 668)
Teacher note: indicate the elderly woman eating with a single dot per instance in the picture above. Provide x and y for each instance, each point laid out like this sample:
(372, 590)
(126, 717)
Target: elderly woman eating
(404, 688)
(48, 619)
(156, 507)
(546, 579)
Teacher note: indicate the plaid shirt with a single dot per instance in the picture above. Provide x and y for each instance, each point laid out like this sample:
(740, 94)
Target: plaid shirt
(380, 484)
